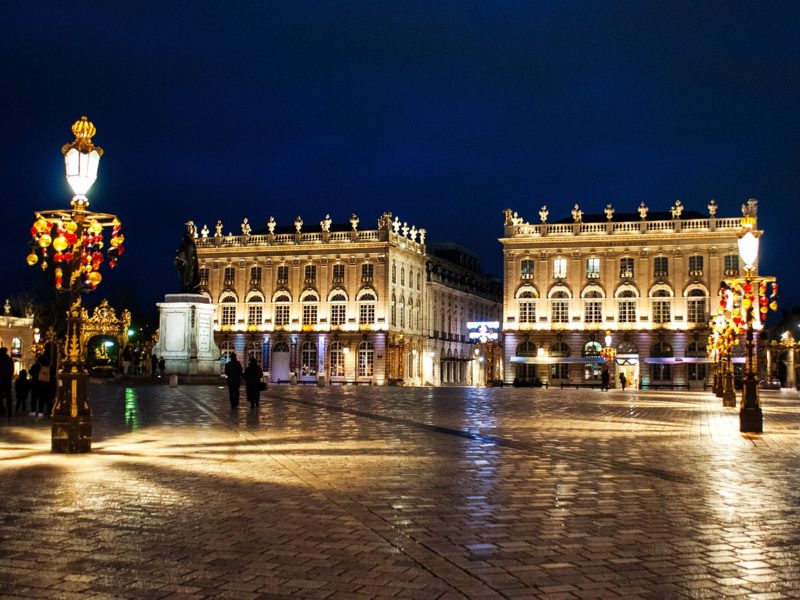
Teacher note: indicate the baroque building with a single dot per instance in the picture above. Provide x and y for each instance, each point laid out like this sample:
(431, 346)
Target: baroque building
(648, 280)
(17, 334)
(331, 303)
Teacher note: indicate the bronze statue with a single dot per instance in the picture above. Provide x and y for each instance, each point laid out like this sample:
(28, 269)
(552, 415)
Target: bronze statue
(186, 262)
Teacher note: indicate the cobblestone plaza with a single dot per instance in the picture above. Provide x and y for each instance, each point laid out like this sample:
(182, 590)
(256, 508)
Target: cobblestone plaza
(358, 493)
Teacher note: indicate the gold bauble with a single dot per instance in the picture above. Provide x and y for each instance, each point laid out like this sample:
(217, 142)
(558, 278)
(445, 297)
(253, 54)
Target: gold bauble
(60, 243)
(71, 226)
(45, 240)
(94, 278)
(32, 259)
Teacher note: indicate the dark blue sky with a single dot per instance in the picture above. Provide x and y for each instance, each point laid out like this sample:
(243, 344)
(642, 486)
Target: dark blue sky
(443, 113)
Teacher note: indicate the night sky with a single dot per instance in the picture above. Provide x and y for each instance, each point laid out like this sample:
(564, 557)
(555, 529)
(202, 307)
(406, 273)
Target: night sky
(443, 113)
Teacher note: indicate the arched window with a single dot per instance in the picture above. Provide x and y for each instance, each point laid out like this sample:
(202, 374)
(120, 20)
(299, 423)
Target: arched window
(527, 304)
(16, 347)
(592, 307)
(559, 350)
(626, 306)
(310, 302)
(402, 275)
(419, 282)
(366, 307)
(419, 315)
(338, 302)
(228, 303)
(696, 306)
(402, 311)
(255, 310)
(661, 350)
(525, 372)
(280, 347)
(282, 300)
(661, 371)
(696, 349)
(662, 305)
(592, 348)
(308, 359)
(394, 309)
(336, 359)
(366, 359)
(559, 307)
(394, 272)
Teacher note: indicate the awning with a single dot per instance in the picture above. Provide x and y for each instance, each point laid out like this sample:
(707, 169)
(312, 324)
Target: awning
(677, 360)
(556, 360)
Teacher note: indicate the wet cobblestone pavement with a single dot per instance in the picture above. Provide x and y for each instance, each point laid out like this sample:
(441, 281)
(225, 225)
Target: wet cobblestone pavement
(349, 493)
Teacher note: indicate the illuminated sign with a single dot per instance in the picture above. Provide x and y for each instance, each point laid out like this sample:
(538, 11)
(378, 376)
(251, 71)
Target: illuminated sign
(483, 331)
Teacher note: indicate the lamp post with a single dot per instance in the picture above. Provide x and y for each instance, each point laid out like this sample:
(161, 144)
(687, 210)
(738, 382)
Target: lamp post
(755, 300)
(68, 244)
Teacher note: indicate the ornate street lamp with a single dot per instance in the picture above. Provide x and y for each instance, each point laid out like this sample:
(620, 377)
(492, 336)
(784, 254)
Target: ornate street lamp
(755, 300)
(608, 352)
(69, 245)
(720, 344)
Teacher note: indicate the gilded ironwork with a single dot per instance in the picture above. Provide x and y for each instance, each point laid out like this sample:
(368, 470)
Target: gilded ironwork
(104, 321)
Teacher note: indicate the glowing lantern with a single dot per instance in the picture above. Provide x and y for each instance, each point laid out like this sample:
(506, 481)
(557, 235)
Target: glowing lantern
(32, 259)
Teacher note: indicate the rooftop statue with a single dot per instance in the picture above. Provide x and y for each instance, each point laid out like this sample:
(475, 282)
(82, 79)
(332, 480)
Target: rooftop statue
(186, 262)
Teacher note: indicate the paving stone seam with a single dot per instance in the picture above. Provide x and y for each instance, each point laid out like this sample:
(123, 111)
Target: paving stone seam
(425, 557)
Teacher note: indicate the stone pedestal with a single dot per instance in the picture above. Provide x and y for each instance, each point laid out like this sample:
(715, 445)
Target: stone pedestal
(186, 336)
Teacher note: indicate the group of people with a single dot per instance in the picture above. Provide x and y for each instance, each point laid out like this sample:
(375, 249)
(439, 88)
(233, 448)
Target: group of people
(40, 383)
(252, 376)
(158, 366)
(605, 380)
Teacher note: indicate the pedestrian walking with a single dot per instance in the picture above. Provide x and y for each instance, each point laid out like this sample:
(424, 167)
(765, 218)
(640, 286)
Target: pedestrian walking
(233, 371)
(6, 377)
(154, 365)
(604, 379)
(127, 357)
(162, 367)
(623, 381)
(252, 382)
(42, 385)
(22, 387)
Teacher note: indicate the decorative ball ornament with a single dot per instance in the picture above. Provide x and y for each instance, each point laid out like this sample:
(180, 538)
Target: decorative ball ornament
(94, 278)
(60, 243)
(45, 240)
(32, 259)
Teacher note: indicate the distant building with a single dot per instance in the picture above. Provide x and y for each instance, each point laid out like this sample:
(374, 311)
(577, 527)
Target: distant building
(650, 279)
(16, 334)
(331, 302)
(457, 293)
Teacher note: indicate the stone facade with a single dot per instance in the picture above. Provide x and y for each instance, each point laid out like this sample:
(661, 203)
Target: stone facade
(457, 293)
(650, 279)
(333, 303)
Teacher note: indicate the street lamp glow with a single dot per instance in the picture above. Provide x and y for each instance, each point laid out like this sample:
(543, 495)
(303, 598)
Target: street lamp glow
(748, 249)
(81, 160)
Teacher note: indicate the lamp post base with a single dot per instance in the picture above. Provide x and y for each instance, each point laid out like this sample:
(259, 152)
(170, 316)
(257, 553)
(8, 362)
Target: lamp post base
(72, 417)
(751, 418)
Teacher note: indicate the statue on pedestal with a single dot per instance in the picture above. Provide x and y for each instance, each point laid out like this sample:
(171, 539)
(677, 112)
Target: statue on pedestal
(186, 262)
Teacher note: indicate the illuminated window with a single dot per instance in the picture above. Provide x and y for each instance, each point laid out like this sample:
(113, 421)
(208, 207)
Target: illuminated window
(203, 272)
(626, 306)
(402, 311)
(366, 309)
(592, 348)
(593, 308)
(526, 268)
(661, 266)
(338, 309)
(527, 311)
(16, 347)
(662, 304)
(336, 358)
(593, 268)
(308, 358)
(255, 350)
(283, 275)
(559, 268)
(394, 272)
(366, 359)
(310, 310)
(255, 315)
(255, 275)
(696, 306)
(229, 315)
(697, 372)
(526, 372)
(282, 309)
(402, 275)
(394, 309)
(419, 282)
(559, 308)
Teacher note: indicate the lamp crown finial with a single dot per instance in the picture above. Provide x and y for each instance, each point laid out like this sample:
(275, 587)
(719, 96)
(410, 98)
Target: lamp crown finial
(84, 128)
